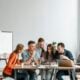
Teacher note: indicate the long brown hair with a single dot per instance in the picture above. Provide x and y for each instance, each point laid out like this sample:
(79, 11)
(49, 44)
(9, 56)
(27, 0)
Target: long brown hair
(19, 47)
(47, 53)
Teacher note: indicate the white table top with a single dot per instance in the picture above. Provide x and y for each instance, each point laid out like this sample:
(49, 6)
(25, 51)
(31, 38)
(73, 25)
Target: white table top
(45, 67)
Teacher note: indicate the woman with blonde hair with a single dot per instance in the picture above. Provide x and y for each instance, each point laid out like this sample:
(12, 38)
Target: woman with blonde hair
(13, 60)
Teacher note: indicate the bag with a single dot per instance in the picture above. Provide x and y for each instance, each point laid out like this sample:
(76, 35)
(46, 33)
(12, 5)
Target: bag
(66, 63)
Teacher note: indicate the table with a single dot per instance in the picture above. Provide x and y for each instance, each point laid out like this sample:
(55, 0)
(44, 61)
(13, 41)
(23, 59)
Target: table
(54, 67)
(40, 67)
(66, 68)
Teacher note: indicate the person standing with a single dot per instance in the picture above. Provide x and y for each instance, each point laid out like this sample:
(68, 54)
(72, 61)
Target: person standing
(41, 49)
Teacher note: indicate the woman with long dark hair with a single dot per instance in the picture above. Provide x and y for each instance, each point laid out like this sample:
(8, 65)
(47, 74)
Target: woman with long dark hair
(49, 59)
(49, 53)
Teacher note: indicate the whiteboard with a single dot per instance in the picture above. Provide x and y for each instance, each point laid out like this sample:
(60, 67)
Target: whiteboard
(5, 42)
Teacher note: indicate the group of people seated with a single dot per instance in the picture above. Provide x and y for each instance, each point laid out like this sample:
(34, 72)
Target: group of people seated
(37, 53)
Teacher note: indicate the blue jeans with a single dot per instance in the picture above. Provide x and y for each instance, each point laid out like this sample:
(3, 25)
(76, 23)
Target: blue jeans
(32, 75)
(63, 73)
(22, 75)
(48, 74)
(43, 74)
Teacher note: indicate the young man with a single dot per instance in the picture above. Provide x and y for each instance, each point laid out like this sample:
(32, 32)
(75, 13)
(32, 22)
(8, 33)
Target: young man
(29, 56)
(41, 49)
(66, 55)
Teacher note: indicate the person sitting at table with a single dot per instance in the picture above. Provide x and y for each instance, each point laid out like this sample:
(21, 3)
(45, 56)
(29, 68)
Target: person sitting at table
(13, 60)
(41, 49)
(30, 56)
(67, 55)
(49, 59)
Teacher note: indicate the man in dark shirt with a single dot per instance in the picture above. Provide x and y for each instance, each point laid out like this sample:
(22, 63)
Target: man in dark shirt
(67, 55)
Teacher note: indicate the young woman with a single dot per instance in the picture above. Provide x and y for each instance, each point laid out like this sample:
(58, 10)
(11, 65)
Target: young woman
(49, 59)
(13, 60)
(49, 53)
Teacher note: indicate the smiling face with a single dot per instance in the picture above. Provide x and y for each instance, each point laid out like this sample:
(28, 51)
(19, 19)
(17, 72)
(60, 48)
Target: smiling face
(49, 49)
(20, 51)
(41, 44)
(32, 47)
(60, 49)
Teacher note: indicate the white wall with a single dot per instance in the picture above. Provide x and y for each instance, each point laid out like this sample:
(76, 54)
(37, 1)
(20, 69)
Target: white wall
(55, 20)
(78, 26)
